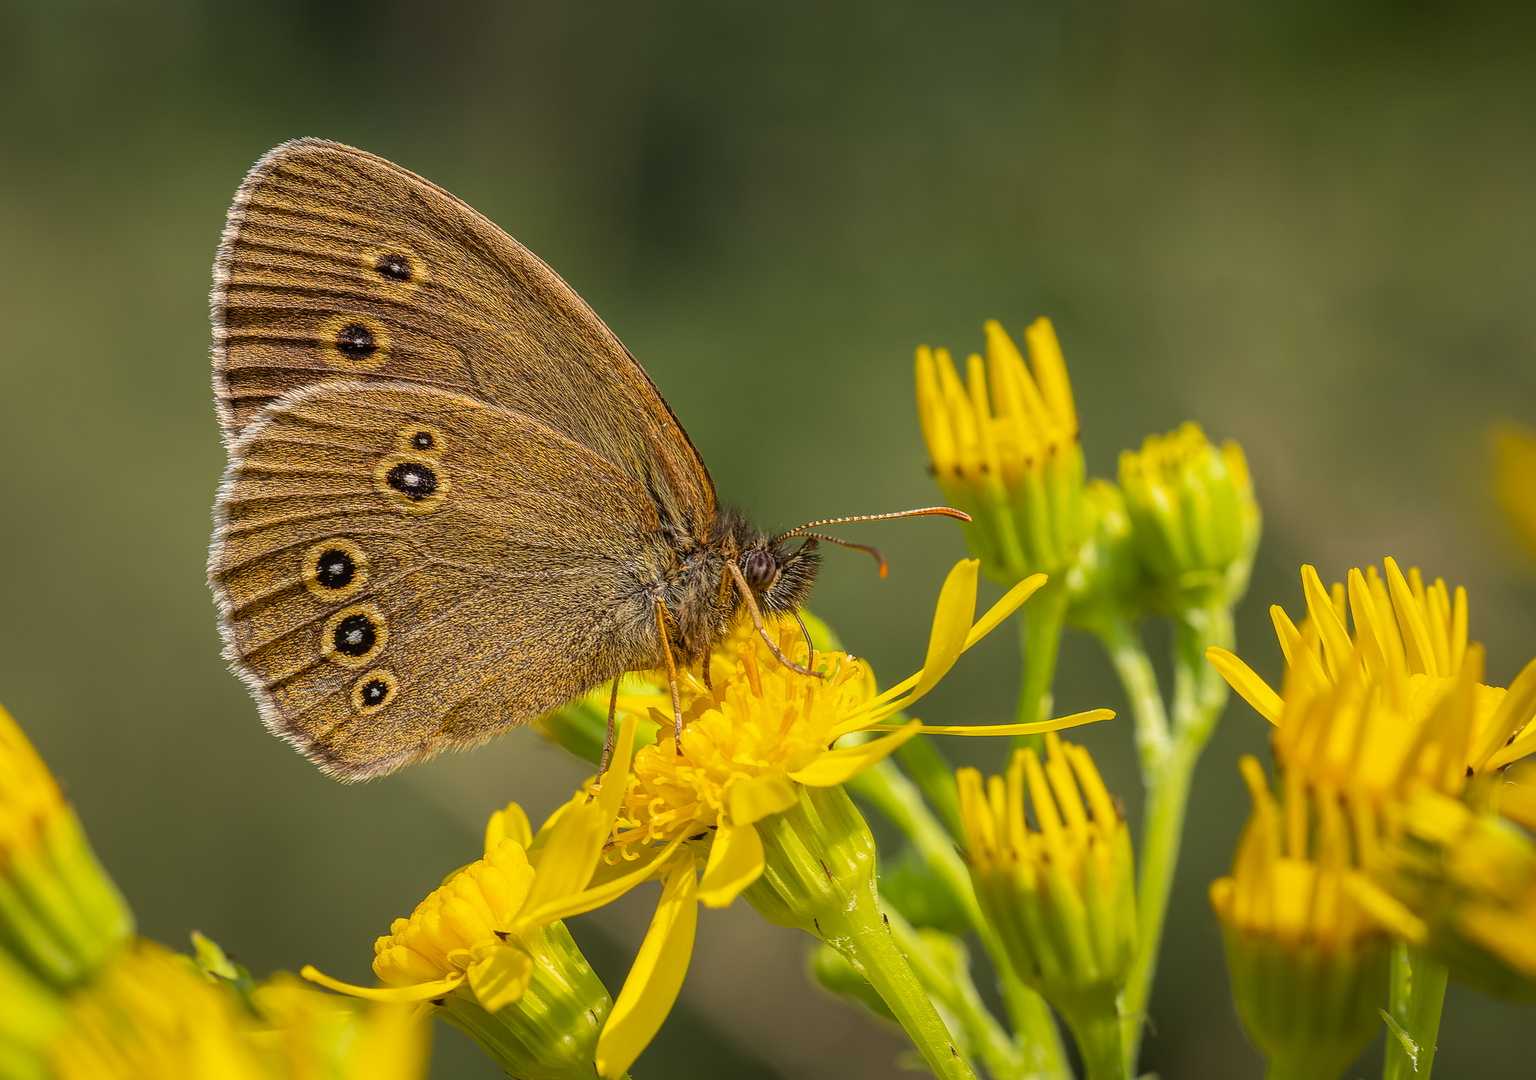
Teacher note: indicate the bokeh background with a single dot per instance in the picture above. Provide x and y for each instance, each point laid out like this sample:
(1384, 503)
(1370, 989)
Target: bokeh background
(1307, 225)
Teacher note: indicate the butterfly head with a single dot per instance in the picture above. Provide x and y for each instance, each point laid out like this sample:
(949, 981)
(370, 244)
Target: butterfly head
(779, 574)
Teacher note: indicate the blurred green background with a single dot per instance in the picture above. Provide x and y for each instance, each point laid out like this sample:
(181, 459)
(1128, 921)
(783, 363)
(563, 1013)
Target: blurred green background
(1309, 226)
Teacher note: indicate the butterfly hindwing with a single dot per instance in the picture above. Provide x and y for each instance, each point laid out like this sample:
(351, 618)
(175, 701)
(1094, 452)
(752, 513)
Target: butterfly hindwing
(402, 567)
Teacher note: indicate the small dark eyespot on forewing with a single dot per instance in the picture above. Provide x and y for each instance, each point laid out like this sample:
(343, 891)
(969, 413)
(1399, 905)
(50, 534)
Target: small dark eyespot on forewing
(373, 693)
(356, 342)
(334, 569)
(423, 440)
(394, 266)
(355, 635)
(412, 479)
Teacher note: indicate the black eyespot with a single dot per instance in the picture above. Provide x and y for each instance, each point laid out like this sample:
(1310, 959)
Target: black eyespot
(423, 440)
(412, 479)
(373, 693)
(759, 568)
(334, 569)
(356, 341)
(355, 635)
(394, 267)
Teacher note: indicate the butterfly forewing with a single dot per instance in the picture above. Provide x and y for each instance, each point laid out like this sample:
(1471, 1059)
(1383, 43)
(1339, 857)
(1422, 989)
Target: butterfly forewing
(336, 263)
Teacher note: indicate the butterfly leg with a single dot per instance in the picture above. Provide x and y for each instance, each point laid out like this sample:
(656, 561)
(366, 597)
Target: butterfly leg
(757, 622)
(613, 707)
(666, 651)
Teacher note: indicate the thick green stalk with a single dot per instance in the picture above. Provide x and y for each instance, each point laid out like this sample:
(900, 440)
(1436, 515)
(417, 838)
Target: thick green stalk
(1200, 694)
(861, 935)
(946, 975)
(896, 797)
(1098, 1040)
(1041, 626)
(1417, 994)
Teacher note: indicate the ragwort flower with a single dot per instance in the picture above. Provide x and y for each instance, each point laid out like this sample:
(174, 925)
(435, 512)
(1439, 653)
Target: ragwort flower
(488, 950)
(1408, 649)
(754, 798)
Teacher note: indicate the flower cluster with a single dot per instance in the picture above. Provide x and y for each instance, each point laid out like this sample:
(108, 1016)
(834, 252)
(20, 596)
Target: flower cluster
(82, 999)
(1390, 747)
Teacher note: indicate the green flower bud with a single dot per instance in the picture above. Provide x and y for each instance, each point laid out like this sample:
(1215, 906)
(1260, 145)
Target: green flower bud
(1108, 579)
(1063, 898)
(1193, 515)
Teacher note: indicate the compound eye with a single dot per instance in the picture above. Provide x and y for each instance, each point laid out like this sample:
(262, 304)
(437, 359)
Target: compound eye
(760, 568)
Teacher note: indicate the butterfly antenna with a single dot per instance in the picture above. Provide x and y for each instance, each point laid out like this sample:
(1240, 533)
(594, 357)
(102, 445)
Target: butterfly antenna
(879, 558)
(926, 511)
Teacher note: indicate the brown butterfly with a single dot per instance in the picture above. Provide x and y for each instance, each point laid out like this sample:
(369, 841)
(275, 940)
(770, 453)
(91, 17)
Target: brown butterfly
(454, 500)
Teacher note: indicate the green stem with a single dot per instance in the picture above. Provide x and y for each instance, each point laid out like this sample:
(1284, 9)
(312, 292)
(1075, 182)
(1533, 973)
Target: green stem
(1044, 616)
(869, 947)
(948, 982)
(1417, 994)
(1122, 641)
(1098, 1038)
(1280, 1069)
(1199, 697)
(897, 798)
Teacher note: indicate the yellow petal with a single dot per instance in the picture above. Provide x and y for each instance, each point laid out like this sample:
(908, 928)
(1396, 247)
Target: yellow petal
(735, 861)
(394, 1044)
(655, 978)
(567, 906)
(1254, 690)
(500, 976)
(1012, 600)
(754, 798)
(1516, 484)
(1092, 716)
(951, 624)
(508, 824)
(418, 992)
(572, 848)
(838, 766)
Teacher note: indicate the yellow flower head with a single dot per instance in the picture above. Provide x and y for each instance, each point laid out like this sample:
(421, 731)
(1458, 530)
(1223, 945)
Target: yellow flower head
(1471, 878)
(489, 940)
(63, 915)
(1062, 897)
(1005, 449)
(153, 1014)
(1306, 941)
(754, 794)
(1380, 707)
(766, 730)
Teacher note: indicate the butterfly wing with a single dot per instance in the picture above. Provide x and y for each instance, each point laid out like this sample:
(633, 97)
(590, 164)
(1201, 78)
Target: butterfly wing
(337, 263)
(403, 568)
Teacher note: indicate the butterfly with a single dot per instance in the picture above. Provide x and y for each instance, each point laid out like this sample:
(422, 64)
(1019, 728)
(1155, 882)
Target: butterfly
(454, 500)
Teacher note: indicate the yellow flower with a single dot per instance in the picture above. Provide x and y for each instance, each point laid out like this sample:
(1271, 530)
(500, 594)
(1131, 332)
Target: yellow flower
(1471, 878)
(1306, 945)
(59, 912)
(1515, 483)
(488, 949)
(1389, 719)
(767, 729)
(1005, 450)
(1193, 515)
(153, 1015)
(1063, 897)
(755, 796)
